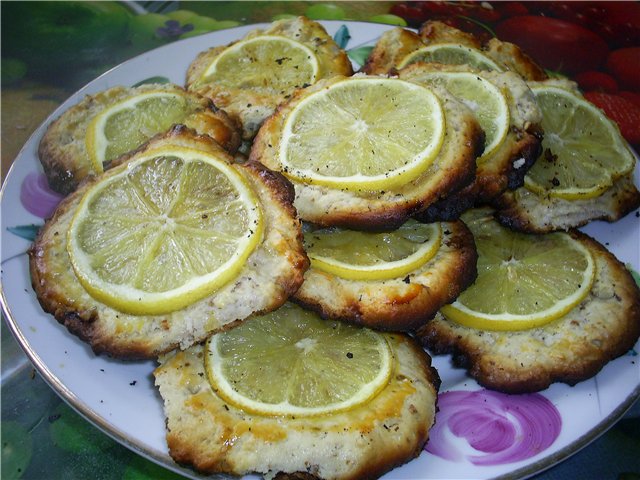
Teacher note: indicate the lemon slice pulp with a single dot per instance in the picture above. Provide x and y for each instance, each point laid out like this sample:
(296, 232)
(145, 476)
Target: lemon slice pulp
(292, 363)
(451, 54)
(583, 151)
(363, 133)
(267, 64)
(165, 231)
(524, 281)
(126, 125)
(373, 256)
(485, 100)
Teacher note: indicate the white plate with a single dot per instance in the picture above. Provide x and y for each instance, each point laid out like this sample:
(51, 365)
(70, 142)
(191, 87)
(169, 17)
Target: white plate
(120, 398)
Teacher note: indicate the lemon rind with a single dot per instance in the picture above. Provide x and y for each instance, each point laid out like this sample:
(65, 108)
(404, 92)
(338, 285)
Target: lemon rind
(95, 139)
(497, 93)
(387, 180)
(212, 68)
(395, 269)
(137, 302)
(461, 314)
(475, 53)
(597, 190)
(224, 390)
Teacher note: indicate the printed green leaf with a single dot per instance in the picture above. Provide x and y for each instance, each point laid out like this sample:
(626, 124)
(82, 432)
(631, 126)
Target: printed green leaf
(342, 36)
(28, 232)
(360, 54)
(157, 79)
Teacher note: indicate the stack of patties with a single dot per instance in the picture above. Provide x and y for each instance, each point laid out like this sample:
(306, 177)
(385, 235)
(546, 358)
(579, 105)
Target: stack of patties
(101, 127)
(286, 296)
(173, 242)
(251, 77)
(363, 154)
(171, 247)
(496, 91)
(544, 308)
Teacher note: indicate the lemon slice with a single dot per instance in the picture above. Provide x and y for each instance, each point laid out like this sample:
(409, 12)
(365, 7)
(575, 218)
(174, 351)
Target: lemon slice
(583, 151)
(292, 363)
(373, 256)
(486, 100)
(524, 281)
(266, 64)
(451, 54)
(126, 125)
(363, 133)
(164, 232)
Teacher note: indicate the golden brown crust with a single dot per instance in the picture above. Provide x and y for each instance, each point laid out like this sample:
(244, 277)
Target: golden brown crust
(453, 168)
(394, 45)
(63, 151)
(364, 442)
(507, 55)
(527, 211)
(604, 326)
(249, 107)
(507, 172)
(510, 55)
(399, 304)
(506, 167)
(272, 272)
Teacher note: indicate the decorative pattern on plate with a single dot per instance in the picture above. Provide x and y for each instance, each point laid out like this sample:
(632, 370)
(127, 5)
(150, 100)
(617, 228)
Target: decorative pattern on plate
(37, 197)
(496, 427)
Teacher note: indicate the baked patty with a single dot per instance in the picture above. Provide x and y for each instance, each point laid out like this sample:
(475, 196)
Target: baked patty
(575, 347)
(63, 150)
(530, 212)
(395, 44)
(397, 304)
(213, 436)
(250, 107)
(506, 167)
(453, 168)
(271, 274)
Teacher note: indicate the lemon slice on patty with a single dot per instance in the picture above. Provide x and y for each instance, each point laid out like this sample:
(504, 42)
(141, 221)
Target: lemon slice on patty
(362, 133)
(483, 98)
(451, 54)
(292, 363)
(373, 256)
(163, 231)
(126, 125)
(524, 281)
(583, 151)
(267, 64)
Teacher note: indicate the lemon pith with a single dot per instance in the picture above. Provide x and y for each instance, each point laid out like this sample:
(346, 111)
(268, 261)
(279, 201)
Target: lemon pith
(583, 151)
(167, 230)
(524, 281)
(482, 97)
(266, 63)
(127, 124)
(373, 256)
(451, 54)
(293, 363)
(362, 133)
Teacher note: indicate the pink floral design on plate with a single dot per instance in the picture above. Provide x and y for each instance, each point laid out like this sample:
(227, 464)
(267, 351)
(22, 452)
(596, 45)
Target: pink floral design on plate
(497, 428)
(37, 197)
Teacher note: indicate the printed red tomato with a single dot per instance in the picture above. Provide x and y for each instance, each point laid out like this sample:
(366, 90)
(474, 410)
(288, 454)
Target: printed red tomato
(624, 65)
(622, 111)
(597, 81)
(555, 44)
